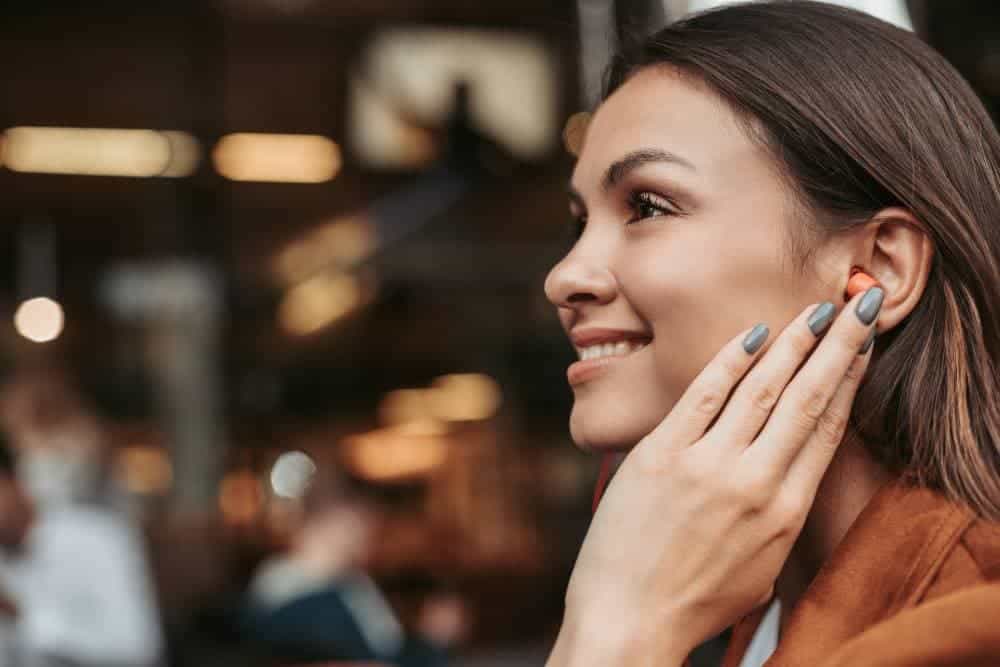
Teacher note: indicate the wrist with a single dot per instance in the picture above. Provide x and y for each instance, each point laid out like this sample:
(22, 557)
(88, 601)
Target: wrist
(582, 643)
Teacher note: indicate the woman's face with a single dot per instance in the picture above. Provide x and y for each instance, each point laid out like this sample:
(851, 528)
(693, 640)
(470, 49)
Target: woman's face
(685, 242)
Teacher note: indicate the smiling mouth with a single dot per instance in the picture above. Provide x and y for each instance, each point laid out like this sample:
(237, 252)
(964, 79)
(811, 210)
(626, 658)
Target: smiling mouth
(596, 358)
(621, 348)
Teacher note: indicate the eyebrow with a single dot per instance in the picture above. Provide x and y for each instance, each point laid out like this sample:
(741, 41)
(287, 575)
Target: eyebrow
(632, 161)
(621, 168)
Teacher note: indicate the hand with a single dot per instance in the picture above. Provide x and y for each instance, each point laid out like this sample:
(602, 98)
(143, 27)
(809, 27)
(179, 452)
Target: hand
(700, 517)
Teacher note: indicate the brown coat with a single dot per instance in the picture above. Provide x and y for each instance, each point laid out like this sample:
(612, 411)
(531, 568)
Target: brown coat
(915, 583)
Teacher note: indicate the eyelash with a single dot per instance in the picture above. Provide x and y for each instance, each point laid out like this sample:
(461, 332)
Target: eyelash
(642, 202)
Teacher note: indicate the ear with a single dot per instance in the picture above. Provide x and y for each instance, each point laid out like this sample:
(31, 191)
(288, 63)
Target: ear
(894, 249)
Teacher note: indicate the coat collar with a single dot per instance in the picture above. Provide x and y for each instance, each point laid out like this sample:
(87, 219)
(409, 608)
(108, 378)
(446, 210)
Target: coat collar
(885, 563)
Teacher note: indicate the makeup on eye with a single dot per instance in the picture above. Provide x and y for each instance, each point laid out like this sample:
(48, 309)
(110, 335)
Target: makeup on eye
(645, 205)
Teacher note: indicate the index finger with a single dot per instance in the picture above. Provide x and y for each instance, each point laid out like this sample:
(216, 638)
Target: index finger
(704, 398)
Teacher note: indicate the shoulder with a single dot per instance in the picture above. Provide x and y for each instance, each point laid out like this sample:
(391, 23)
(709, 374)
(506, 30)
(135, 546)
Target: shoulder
(957, 628)
(973, 559)
(953, 619)
(982, 542)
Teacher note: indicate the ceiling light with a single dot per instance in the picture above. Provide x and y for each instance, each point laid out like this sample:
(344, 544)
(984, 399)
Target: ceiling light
(277, 158)
(100, 152)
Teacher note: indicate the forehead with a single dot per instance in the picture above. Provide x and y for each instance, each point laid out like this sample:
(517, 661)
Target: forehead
(660, 108)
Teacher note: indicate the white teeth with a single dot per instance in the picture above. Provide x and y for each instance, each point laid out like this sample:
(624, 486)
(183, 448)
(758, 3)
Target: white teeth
(619, 349)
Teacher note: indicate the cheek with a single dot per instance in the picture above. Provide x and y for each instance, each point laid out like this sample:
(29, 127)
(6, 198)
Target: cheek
(701, 290)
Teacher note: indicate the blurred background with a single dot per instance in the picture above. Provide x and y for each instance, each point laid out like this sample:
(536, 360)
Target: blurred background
(272, 276)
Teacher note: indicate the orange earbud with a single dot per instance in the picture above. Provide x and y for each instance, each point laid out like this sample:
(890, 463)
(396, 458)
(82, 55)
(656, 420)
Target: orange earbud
(858, 283)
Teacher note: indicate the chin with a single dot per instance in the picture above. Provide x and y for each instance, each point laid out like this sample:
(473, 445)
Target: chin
(601, 433)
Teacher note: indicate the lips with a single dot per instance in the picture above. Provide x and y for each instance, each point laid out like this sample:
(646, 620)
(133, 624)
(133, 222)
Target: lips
(599, 349)
(600, 336)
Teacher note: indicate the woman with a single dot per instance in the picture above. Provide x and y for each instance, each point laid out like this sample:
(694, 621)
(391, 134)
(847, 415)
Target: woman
(744, 164)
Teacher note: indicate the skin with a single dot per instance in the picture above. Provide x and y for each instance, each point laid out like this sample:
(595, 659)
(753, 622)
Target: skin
(687, 253)
(16, 514)
(16, 518)
(336, 540)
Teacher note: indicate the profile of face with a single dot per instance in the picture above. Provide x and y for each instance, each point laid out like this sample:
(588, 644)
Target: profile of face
(686, 223)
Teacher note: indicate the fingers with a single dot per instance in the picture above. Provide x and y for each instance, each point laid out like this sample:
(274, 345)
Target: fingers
(701, 402)
(808, 468)
(751, 403)
(805, 400)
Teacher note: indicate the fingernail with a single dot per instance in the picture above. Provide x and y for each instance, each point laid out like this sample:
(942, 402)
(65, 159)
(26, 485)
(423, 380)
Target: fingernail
(870, 304)
(868, 342)
(821, 317)
(755, 338)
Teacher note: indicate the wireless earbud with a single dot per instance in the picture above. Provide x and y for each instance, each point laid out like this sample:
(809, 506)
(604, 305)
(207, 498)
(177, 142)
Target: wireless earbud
(858, 283)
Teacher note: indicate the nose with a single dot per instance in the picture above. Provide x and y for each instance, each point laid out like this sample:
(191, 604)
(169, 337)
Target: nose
(578, 280)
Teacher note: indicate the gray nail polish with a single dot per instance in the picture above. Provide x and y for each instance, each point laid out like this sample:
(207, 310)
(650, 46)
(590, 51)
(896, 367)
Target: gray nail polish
(821, 317)
(870, 304)
(868, 342)
(755, 338)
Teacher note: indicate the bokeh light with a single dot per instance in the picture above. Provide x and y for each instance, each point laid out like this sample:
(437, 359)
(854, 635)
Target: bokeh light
(40, 320)
(291, 474)
(277, 158)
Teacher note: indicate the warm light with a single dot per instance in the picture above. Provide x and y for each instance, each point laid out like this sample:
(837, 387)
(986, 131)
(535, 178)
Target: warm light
(318, 302)
(144, 469)
(100, 152)
(393, 454)
(185, 154)
(451, 398)
(464, 397)
(240, 497)
(39, 320)
(277, 158)
(291, 474)
(404, 405)
(423, 427)
(339, 243)
(380, 134)
(574, 132)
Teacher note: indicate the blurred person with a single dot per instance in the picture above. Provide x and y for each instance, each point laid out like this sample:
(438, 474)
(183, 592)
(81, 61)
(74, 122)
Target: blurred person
(317, 602)
(81, 584)
(61, 454)
(16, 517)
(833, 489)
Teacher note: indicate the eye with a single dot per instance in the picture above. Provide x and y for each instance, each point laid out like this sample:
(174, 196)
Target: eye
(645, 205)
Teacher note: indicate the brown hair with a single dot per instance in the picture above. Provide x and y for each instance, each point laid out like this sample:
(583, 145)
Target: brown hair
(862, 116)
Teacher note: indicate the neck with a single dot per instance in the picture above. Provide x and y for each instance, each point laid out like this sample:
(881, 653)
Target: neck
(850, 482)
